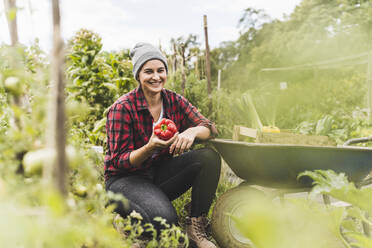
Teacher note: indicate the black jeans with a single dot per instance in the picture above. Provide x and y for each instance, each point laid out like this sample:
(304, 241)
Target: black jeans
(150, 193)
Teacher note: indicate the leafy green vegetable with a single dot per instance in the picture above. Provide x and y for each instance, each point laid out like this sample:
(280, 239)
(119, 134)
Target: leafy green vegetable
(337, 186)
(324, 125)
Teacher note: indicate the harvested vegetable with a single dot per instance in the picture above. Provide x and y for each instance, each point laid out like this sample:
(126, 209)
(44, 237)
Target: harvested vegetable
(165, 129)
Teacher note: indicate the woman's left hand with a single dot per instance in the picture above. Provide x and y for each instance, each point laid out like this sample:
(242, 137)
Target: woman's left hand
(183, 142)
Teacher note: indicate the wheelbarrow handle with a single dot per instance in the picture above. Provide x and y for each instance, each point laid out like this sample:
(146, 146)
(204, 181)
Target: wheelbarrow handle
(358, 140)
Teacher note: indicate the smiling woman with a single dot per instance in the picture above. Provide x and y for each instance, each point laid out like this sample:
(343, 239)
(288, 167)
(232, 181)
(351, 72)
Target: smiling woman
(141, 166)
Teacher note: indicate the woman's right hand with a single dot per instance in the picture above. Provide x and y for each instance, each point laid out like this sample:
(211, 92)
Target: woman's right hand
(155, 143)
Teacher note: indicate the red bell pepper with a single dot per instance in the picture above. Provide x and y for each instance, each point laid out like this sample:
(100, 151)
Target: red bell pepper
(165, 129)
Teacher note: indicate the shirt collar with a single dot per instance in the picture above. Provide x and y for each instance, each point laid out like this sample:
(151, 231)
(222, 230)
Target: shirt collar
(141, 100)
(165, 97)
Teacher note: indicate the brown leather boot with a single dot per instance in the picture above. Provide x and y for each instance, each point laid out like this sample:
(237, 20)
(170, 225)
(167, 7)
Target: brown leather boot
(187, 209)
(196, 232)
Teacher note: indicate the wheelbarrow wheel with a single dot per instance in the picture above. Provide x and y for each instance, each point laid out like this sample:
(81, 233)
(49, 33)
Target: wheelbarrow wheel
(223, 227)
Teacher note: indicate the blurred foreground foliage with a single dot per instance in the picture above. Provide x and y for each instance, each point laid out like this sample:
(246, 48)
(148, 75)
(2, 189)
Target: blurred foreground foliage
(32, 213)
(323, 102)
(304, 222)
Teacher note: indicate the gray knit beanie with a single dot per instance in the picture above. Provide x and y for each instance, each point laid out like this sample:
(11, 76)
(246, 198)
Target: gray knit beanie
(143, 52)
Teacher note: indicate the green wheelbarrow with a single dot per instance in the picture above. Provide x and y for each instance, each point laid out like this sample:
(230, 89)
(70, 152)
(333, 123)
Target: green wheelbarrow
(277, 166)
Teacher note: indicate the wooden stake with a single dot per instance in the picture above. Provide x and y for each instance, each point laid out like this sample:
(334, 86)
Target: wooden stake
(369, 86)
(196, 69)
(183, 65)
(10, 6)
(207, 59)
(219, 79)
(57, 132)
(175, 58)
(201, 66)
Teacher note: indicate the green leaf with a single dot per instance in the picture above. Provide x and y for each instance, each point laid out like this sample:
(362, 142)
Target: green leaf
(99, 125)
(349, 225)
(336, 185)
(360, 240)
(246, 109)
(358, 214)
(110, 86)
(324, 125)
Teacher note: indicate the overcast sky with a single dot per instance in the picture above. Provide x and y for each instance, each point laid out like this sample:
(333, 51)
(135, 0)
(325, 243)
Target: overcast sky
(122, 23)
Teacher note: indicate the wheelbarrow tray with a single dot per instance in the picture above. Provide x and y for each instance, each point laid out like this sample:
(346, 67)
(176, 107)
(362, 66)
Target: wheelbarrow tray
(278, 165)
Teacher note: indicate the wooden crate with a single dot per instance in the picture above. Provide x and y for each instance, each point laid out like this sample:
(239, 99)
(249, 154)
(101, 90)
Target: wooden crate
(242, 133)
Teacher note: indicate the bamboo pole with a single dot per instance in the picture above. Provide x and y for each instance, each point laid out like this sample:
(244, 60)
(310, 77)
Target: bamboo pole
(369, 86)
(219, 79)
(10, 6)
(202, 67)
(183, 64)
(57, 132)
(207, 58)
(175, 58)
(196, 68)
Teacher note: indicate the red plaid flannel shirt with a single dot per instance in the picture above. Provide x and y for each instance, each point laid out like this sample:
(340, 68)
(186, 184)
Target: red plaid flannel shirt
(129, 127)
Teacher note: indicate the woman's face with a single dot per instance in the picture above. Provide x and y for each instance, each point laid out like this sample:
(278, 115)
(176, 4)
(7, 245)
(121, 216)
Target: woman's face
(153, 76)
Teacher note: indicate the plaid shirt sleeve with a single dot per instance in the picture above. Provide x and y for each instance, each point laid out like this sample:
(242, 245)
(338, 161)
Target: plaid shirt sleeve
(192, 117)
(119, 137)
